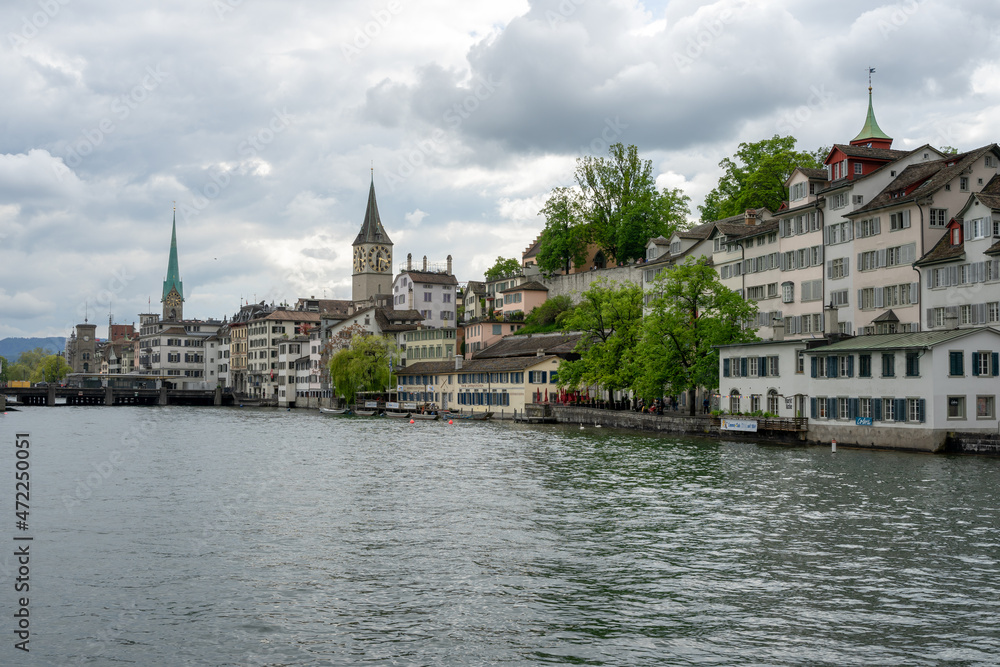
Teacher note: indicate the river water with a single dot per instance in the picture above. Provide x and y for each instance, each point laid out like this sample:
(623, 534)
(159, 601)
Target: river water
(187, 536)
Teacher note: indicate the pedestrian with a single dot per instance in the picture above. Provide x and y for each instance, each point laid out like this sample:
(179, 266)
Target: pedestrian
(706, 404)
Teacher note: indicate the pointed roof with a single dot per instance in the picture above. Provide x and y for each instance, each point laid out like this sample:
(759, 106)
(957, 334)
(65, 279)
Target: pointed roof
(371, 229)
(871, 130)
(173, 279)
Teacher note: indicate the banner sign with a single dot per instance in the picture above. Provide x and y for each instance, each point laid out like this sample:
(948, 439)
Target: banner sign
(862, 421)
(409, 406)
(392, 405)
(746, 425)
(371, 404)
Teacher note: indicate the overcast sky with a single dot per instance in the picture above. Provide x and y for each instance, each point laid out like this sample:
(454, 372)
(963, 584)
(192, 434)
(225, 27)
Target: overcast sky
(261, 119)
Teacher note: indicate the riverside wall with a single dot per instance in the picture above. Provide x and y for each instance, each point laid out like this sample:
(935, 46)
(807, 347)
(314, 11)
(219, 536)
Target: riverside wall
(576, 284)
(973, 443)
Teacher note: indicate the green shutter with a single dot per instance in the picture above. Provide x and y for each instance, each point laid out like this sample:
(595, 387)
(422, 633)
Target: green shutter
(996, 364)
(975, 363)
(813, 366)
(812, 401)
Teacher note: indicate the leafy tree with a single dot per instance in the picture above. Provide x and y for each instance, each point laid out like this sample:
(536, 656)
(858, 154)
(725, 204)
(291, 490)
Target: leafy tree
(53, 368)
(563, 243)
(366, 365)
(691, 312)
(547, 317)
(610, 316)
(756, 177)
(621, 204)
(4, 369)
(949, 150)
(503, 268)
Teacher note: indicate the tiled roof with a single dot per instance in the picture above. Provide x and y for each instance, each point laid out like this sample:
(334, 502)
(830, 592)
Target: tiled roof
(433, 277)
(942, 251)
(927, 177)
(291, 316)
(477, 286)
(659, 240)
(993, 249)
(474, 365)
(530, 286)
(697, 232)
(887, 316)
(810, 172)
(394, 321)
(898, 341)
(745, 231)
(870, 153)
(532, 249)
(561, 343)
(371, 229)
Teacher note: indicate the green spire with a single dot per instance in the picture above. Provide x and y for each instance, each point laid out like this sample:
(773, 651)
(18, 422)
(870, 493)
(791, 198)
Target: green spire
(871, 130)
(173, 279)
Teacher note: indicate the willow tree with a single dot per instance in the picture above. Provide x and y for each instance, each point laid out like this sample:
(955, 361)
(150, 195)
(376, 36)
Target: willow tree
(366, 365)
(690, 313)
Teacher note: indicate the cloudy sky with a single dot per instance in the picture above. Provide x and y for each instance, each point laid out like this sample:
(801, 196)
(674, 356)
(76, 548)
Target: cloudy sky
(261, 120)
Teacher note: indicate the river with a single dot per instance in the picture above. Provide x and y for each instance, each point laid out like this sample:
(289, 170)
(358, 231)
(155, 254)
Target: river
(227, 536)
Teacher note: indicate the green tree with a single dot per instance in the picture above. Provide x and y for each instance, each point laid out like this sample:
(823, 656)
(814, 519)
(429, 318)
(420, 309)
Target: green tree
(4, 369)
(52, 368)
(621, 204)
(563, 243)
(756, 177)
(690, 313)
(949, 150)
(503, 268)
(366, 365)
(609, 316)
(547, 317)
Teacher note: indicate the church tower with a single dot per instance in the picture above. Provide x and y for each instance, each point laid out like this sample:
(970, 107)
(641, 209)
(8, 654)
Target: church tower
(173, 288)
(871, 135)
(372, 273)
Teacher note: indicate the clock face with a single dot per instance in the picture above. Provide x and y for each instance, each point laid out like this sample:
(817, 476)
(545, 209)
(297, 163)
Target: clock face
(173, 299)
(358, 259)
(382, 260)
(86, 338)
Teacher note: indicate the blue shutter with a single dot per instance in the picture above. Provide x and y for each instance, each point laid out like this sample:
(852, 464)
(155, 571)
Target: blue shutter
(725, 368)
(831, 408)
(900, 409)
(743, 367)
(920, 408)
(762, 367)
(812, 401)
(852, 408)
(996, 364)
(877, 409)
(975, 363)
(831, 367)
(813, 365)
(850, 366)
(543, 376)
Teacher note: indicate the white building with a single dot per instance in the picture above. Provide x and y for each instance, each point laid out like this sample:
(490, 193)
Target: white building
(433, 293)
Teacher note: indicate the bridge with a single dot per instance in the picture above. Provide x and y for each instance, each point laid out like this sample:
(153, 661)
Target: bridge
(113, 396)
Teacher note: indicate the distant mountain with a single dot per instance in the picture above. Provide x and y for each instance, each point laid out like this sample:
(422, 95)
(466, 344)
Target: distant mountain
(11, 348)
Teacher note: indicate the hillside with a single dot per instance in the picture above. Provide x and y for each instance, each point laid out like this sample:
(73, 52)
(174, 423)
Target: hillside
(11, 348)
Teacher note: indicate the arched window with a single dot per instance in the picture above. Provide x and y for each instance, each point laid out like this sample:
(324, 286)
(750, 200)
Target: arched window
(734, 401)
(772, 401)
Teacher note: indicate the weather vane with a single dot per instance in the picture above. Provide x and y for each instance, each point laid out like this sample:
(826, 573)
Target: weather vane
(871, 70)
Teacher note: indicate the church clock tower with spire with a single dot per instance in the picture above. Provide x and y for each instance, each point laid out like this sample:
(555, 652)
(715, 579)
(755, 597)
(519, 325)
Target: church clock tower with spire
(173, 288)
(372, 274)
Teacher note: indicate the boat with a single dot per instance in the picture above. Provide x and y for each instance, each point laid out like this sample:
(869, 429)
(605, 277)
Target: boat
(427, 416)
(335, 411)
(476, 416)
(400, 415)
(365, 413)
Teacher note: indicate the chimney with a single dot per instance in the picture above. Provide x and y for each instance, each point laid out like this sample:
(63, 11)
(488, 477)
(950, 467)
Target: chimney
(750, 217)
(425, 263)
(540, 352)
(778, 329)
(458, 362)
(449, 265)
(409, 298)
(409, 261)
(950, 319)
(832, 327)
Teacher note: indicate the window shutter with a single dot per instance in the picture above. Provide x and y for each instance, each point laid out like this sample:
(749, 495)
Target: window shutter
(857, 228)
(762, 367)
(812, 364)
(831, 408)
(847, 261)
(829, 270)
(820, 255)
(783, 262)
(996, 363)
(877, 409)
(920, 409)
(975, 364)
(776, 374)
(966, 230)
(900, 404)
(826, 236)
(881, 258)
(906, 219)
(930, 318)
(831, 367)
(725, 368)
(852, 408)
(859, 298)
(914, 293)
(850, 366)
(879, 297)
(812, 406)
(983, 314)
(878, 225)
(743, 367)
(930, 278)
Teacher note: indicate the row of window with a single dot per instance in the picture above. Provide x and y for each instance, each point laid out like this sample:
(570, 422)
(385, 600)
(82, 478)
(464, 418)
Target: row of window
(963, 274)
(877, 409)
(800, 224)
(483, 398)
(750, 367)
(976, 313)
(772, 402)
(889, 296)
(902, 255)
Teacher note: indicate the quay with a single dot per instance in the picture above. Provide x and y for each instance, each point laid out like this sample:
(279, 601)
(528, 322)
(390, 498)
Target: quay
(108, 396)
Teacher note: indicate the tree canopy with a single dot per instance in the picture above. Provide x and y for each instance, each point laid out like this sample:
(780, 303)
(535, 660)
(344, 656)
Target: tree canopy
(503, 268)
(547, 317)
(690, 313)
(563, 243)
(366, 365)
(755, 177)
(609, 315)
(29, 366)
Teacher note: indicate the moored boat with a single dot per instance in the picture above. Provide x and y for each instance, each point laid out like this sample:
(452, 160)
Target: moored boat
(335, 411)
(400, 415)
(365, 413)
(426, 416)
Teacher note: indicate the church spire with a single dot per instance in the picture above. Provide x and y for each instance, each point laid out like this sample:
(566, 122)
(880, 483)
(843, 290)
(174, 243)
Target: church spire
(871, 132)
(371, 229)
(173, 279)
